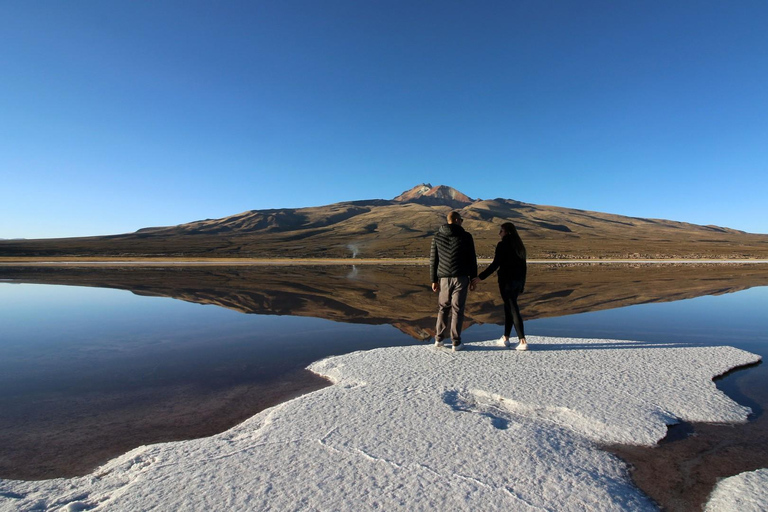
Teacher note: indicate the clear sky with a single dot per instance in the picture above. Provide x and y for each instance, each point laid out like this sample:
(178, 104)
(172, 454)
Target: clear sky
(118, 115)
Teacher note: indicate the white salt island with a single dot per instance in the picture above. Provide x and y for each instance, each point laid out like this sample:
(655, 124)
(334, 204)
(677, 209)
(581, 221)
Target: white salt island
(422, 428)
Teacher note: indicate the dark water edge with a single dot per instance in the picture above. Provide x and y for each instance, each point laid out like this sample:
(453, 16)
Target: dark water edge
(106, 427)
(681, 471)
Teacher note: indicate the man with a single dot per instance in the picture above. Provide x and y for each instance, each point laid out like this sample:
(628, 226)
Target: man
(452, 265)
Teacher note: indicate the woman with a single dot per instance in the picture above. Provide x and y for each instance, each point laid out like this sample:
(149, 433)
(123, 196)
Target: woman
(510, 262)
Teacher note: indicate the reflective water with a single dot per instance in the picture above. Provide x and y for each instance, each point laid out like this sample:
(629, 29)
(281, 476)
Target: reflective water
(123, 357)
(739, 319)
(88, 373)
(67, 338)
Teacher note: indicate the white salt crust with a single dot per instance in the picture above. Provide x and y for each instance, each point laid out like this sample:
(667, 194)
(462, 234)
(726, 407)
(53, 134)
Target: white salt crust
(422, 428)
(745, 492)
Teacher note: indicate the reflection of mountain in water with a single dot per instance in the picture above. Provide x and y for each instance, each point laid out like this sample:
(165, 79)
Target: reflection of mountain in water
(399, 295)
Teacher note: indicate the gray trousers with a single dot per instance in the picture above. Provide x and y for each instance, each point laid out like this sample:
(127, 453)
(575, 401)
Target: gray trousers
(453, 296)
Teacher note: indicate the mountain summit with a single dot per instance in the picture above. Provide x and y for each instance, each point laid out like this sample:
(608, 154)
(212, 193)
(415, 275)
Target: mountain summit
(435, 196)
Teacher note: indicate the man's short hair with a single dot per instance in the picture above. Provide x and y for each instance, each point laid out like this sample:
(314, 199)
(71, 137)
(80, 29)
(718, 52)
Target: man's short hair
(453, 217)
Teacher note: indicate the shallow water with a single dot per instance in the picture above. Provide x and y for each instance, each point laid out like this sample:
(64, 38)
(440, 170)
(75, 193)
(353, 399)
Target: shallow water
(123, 357)
(89, 373)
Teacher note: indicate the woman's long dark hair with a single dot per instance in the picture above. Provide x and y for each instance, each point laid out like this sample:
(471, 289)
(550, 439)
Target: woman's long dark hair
(517, 243)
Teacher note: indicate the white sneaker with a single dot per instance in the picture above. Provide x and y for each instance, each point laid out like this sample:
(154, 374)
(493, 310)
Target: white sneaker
(522, 346)
(439, 344)
(458, 347)
(503, 342)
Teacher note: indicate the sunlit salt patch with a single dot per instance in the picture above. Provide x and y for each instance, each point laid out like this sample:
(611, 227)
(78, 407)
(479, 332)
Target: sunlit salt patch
(745, 492)
(609, 391)
(425, 428)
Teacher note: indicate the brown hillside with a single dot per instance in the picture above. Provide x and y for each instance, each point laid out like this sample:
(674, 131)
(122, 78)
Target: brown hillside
(403, 228)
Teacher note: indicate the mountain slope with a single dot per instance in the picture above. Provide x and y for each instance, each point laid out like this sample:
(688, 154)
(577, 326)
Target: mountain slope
(403, 227)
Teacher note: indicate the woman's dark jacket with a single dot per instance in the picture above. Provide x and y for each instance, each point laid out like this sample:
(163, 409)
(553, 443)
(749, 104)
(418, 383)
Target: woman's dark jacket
(452, 253)
(512, 268)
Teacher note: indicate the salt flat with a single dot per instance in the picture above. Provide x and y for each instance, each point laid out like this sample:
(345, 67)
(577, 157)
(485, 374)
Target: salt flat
(421, 428)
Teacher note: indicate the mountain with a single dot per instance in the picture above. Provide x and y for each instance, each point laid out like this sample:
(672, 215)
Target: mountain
(403, 228)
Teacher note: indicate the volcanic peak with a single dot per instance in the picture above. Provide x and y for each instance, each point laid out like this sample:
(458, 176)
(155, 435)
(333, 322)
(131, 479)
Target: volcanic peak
(439, 195)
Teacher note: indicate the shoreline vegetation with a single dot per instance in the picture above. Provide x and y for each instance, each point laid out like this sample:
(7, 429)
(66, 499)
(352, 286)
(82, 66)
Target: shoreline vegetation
(113, 261)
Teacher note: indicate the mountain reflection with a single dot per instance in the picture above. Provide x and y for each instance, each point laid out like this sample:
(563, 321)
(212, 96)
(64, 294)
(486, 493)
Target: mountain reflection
(399, 295)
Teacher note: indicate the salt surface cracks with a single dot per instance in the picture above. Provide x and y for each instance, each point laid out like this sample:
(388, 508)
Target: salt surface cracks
(745, 492)
(421, 428)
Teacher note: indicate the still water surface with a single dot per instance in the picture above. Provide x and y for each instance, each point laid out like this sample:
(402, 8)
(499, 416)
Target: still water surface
(87, 373)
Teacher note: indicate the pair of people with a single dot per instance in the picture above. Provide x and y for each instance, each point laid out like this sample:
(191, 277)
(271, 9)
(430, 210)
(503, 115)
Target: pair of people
(453, 269)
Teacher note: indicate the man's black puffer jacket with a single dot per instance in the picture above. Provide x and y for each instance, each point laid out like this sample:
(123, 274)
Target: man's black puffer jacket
(452, 253)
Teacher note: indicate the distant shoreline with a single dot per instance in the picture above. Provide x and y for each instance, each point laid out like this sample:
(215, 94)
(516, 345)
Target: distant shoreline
(106, 262)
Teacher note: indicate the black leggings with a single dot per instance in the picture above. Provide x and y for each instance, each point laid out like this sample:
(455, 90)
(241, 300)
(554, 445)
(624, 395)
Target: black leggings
(509, 292)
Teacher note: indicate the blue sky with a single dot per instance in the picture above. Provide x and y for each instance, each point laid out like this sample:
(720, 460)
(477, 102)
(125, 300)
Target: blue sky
(120, 115)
